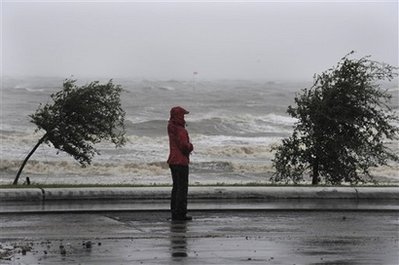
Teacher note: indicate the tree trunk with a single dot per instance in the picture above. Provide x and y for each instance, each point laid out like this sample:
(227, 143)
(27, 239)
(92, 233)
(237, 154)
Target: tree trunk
(27, 158)
(315, 175)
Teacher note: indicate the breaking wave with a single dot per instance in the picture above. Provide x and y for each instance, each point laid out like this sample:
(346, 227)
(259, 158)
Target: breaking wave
(54, 168)
(247, 125)
(233, 126)
(73, 168)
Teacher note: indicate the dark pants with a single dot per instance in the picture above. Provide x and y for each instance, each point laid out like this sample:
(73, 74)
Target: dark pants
(178, 202)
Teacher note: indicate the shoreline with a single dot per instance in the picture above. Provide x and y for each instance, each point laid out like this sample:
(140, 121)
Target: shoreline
(205, 198)
(212, 193)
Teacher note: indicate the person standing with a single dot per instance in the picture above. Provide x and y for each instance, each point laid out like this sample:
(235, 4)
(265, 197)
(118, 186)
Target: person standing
(178, 160)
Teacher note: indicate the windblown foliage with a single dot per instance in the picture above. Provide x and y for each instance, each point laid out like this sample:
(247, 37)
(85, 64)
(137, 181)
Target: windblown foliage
(343, 121)
(80, 117)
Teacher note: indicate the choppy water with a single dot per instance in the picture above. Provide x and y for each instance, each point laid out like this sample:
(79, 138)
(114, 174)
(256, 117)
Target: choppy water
(232, 124)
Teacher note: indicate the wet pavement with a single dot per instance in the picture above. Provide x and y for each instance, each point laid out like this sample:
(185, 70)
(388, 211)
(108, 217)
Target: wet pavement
(213, 237)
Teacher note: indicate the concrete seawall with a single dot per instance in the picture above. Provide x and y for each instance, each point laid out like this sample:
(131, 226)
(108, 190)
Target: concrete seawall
(203, 193)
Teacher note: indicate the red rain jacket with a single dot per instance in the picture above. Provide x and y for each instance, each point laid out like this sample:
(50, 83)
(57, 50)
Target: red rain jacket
(179, 142)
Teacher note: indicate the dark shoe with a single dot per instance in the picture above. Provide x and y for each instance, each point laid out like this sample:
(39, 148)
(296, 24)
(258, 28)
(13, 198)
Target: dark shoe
(188, 218)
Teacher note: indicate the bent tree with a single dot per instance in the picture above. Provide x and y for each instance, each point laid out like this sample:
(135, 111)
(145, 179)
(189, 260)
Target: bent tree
(344, 120)
(80, 117)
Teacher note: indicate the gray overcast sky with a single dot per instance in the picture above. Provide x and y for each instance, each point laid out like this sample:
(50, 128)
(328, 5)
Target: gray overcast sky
(171, 40)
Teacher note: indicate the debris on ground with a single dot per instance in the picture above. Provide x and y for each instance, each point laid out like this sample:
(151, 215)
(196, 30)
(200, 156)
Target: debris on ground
(8, 251)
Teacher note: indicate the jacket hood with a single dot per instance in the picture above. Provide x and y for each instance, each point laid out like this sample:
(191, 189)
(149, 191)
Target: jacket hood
(177, 115)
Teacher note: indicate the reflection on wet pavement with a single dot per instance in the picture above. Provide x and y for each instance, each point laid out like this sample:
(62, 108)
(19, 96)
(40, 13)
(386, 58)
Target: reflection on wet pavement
(178, 239)
(255, 237)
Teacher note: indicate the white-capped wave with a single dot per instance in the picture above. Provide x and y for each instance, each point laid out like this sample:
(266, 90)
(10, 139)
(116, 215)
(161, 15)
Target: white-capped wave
(279, 119)
(242, 125)
(235, 125)
(52, 169)
(29, 89)
(73, 168)
(212, 141)
(167, 88)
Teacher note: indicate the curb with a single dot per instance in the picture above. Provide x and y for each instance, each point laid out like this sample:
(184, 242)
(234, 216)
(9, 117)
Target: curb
(203, 193)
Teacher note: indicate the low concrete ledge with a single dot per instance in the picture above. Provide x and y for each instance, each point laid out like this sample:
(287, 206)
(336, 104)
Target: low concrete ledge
(106, 193)
(388, 193)
(33, 194)
(211, 193)
(274, 193)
